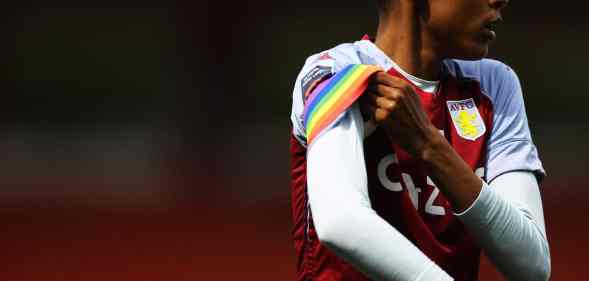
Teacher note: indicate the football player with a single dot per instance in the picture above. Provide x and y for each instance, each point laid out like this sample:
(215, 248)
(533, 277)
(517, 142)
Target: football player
(411, 153)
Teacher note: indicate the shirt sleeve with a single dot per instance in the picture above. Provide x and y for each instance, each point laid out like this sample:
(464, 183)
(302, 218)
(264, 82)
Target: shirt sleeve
(510, 145)
(508, 222)
(317, 68)
(342, 214)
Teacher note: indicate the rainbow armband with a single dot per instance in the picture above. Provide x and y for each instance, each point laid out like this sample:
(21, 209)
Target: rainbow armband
(324, 105)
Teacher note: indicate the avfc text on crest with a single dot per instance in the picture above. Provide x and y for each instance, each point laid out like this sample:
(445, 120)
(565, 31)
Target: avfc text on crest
(466, 119)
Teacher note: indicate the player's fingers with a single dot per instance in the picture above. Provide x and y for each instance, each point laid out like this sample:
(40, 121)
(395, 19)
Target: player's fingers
(387, 79)
(377, 107)
(386, 91)
(370, 97)
(392, 81)
(397, 82)
(382, 78)
(380, 115)
(405, 86)
(385, 103)
(379, 101)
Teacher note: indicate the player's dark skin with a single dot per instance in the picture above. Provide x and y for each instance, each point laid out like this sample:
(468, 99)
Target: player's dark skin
(418, 35)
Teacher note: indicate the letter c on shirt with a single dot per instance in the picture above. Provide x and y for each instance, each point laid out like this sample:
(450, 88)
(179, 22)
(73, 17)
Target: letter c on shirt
(383, 165)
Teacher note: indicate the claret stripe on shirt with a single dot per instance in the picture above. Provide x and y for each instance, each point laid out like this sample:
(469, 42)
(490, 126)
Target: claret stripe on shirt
(327, 103)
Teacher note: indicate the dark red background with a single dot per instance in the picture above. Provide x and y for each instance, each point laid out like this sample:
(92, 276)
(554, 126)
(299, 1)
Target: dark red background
(148, 141)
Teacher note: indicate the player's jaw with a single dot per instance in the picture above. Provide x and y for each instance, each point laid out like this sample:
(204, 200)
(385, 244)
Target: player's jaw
(474, 42)
(466, 27)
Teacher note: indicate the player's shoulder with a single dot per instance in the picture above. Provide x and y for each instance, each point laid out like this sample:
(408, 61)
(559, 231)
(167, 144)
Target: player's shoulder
(484, 70)
(324, 64)
(496, 78)
(336, 57)
(317, 68)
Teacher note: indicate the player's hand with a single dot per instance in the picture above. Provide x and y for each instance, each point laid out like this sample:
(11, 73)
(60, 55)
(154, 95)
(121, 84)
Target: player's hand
(394, 105)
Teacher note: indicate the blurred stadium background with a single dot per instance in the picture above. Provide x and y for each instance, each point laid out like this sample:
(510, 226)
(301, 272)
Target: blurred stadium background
(149, 142)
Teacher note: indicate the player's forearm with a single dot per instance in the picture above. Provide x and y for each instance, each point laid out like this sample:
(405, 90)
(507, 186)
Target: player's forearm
(359, 236)
(511, 234)
(511, 239)
(452, 175)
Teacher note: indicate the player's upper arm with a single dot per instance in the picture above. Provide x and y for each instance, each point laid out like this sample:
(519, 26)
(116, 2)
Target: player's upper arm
(317, 69)
(336, 174)
(510, 146)
(337, 157)
(335, 161)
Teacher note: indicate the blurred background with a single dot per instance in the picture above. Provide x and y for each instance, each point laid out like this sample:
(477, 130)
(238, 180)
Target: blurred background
(149, 142)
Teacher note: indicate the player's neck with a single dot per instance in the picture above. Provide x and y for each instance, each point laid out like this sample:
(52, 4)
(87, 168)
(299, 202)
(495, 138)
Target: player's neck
(400, 37)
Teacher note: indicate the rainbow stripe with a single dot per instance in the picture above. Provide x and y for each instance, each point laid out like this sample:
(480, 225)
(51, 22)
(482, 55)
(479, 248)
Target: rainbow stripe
(325, 104)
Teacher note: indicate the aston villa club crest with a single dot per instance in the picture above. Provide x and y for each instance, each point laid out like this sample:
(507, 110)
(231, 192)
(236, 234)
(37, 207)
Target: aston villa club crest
(467, 119)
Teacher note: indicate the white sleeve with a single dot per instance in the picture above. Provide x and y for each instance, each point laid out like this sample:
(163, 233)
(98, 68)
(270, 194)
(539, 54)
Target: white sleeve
(342, 214)
(508, 221)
